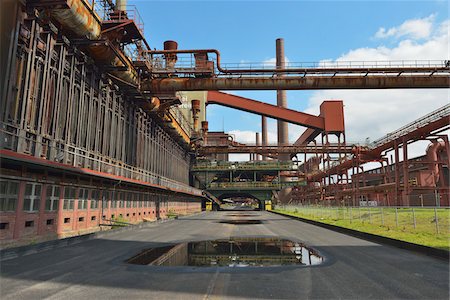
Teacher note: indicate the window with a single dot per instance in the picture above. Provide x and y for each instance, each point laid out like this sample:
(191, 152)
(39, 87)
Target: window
(32, 197)
(52, 198)
(50, 221)
(81, 219)
(29, 223)
(66, 220)
(93, 218)
(69, 198)
(8, 195)
(4, 225)
(104, 200)
(114, 197)
(129, 199)
(113, 216)
(134, 214)
(82, 198)
(95, 194)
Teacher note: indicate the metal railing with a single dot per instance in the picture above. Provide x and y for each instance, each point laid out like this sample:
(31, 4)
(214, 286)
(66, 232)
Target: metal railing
(186, 64)
(421, 122)
(180, 118)
(259, 165)
(82, 158)
(337, 64)
(253, 185)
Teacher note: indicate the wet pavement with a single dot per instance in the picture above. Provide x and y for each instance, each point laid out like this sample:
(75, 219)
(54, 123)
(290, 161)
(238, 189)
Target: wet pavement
(351, 268)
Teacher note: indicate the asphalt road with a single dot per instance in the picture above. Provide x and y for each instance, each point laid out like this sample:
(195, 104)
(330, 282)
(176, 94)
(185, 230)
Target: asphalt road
(353, 268)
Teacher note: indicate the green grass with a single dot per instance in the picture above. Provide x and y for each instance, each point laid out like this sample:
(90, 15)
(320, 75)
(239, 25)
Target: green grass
(119, 222)
(172, 214)
(382, 221)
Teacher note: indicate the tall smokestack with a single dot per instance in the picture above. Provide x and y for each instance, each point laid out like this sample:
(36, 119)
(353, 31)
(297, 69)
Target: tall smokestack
(195, 112)
(285, 194)
(121, 5)
(264, 133)
(281, 98)
(258, 143)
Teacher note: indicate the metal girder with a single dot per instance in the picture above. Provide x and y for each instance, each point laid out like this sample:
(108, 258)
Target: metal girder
(273, 150)
(296, 83)
(307, 136)
(265, 109)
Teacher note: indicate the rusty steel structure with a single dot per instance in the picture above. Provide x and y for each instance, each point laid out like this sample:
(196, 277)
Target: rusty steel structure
(81, 144)
(399, 180)
(92, 124)
(265, 109)
(207, 74)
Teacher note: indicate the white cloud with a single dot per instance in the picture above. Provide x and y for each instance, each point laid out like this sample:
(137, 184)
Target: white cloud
(415, 28)
(271, 62)
(249, 137)
(374, 113)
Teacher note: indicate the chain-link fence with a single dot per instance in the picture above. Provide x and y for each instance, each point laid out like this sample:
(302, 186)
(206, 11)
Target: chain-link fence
(407, 219)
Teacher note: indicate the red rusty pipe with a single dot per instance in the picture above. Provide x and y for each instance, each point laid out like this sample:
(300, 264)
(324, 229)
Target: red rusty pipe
(432, 155)
(295, 83)
(301, 70)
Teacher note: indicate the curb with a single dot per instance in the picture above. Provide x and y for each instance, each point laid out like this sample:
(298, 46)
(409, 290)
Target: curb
(438, 253)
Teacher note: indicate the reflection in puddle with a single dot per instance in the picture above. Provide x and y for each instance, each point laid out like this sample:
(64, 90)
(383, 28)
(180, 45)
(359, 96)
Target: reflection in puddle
(233, 252)
(242, 215)
(241, 222)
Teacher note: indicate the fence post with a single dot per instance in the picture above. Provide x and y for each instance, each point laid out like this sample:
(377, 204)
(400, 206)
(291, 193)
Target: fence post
(351, 214)
(337, 213)
(370, 216)
(382, 216)
(396, 217)
(436, 220)
(414, 218)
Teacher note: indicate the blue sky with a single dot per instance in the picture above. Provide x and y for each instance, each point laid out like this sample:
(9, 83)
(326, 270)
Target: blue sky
(313, 31)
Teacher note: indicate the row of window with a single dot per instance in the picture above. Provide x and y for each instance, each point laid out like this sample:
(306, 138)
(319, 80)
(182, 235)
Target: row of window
(5, 225)
(9, 191)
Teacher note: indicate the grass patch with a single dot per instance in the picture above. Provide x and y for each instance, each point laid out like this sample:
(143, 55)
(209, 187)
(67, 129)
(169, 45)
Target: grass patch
(172, 214)
(385, 222)
(119, 222)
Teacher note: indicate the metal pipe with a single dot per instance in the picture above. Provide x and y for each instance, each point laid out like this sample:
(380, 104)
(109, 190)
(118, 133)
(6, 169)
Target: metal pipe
(294, 83)
(304, 70)
(205, 131)
(432, 156)
(121, 5)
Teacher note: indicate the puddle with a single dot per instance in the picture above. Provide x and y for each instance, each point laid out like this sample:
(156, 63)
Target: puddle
(241, 222)
(233, 252)
(242, 215)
